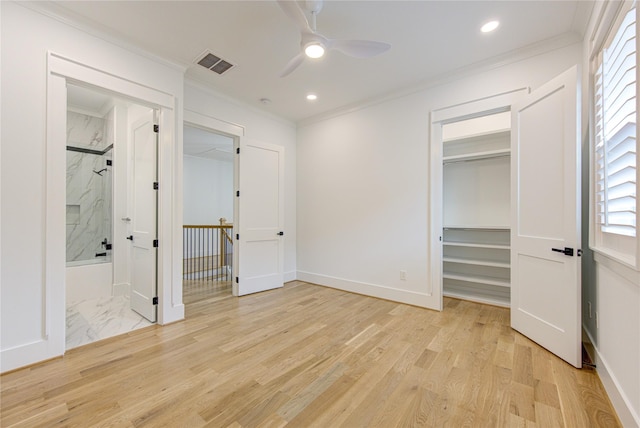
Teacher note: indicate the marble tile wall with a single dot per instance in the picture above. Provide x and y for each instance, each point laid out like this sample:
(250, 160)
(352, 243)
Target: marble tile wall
(89, 185)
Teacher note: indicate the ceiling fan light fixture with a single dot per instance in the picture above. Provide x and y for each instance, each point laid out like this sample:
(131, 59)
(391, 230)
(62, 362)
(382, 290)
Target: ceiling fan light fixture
(314, 50)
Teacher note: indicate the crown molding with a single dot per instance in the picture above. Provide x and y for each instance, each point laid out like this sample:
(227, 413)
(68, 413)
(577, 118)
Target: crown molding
(96, 29)
(496, 62)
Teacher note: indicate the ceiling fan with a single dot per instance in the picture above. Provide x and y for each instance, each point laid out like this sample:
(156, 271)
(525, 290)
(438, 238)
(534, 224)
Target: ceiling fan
(314, 44)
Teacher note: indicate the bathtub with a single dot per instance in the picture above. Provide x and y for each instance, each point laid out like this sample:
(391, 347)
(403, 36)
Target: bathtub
(90, 279)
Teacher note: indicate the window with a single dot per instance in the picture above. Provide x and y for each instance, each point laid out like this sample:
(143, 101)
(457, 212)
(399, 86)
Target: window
(615, 128)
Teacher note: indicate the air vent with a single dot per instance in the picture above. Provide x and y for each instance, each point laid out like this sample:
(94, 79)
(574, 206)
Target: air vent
(215, 63)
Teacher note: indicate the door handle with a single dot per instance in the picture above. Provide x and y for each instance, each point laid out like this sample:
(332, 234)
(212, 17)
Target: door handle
(280, 233)
(130, 237)
(567, 251)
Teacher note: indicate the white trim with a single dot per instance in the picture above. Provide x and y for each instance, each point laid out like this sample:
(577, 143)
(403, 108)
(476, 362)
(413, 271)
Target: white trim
(618, 398)
(531, 51)
(614, 264)
(290, 276)
(76, 71)
(480, 107)
(210, 123)
(372, 290)
(203, 87)
(59, 71)
(475, 108)
(606, 17)
(96, 29)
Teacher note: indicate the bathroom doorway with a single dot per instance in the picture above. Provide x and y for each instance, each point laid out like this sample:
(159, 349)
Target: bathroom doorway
(107, 159)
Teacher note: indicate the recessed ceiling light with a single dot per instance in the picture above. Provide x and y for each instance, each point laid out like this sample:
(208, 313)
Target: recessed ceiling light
(489, 26)
(265, 101)
(314, 50)
(312, 97)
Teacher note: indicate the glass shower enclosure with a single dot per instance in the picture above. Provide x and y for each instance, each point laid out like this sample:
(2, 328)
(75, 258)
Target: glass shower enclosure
(89, 188)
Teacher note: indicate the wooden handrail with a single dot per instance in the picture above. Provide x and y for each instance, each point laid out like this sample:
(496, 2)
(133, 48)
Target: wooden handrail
(207, 226)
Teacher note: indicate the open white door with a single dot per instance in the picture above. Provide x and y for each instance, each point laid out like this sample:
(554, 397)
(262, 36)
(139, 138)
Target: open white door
(545, 234)
(144, 218)
(260, 217)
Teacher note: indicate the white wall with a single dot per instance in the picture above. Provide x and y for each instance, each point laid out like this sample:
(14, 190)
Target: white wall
(612, 290)
(363, 189)
(222, 114)
(208, 190)
(32, 314)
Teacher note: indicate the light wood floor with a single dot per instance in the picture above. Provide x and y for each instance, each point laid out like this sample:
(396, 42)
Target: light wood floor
(194, 290)
(310, 356)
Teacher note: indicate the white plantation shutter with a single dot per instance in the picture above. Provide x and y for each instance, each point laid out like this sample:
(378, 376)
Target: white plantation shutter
(615, 130)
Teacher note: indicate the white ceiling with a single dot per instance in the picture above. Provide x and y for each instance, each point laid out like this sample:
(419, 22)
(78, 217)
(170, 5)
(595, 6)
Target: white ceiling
(206, 144)
(430, 39)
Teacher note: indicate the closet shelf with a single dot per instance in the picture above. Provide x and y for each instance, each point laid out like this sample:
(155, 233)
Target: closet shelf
(469, 138)
(498, 282)
(476, 155)
(477, 245)
(496, 301)
(476, 262)
(476, 227)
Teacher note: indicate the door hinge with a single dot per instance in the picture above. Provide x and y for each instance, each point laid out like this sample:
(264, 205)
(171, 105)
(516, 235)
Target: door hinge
(238, 150)
(155, 243)
(156, 128)
(155, 185)
(238, 193)
(155, 300)
(238, 236)
(237, 280)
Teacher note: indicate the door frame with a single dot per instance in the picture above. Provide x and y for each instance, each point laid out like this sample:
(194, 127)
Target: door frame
(232, 130)
(468, 110)
(61, 70)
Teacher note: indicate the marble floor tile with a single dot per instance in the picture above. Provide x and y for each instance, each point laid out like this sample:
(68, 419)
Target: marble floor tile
(92, 320)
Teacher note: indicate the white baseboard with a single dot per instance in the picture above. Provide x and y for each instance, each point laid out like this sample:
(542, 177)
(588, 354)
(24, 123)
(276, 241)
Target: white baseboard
(290, 276)
(618, 398)
(373, 290)
(30, 353)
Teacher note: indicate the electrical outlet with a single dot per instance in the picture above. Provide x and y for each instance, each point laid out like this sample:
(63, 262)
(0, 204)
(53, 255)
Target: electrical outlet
(403, 275)
(589, 307)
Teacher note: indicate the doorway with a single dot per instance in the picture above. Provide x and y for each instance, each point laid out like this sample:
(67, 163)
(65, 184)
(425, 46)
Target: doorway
(107, 160)
(208, 214)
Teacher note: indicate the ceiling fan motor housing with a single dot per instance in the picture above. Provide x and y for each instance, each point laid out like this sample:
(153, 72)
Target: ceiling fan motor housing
(313, 6)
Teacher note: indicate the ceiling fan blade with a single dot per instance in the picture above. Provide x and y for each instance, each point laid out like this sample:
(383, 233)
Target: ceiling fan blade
(359, 48)
(292, 9)
(293, 64)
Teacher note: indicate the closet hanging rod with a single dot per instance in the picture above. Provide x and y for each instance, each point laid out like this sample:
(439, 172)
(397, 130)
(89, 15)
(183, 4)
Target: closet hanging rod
(473, 159)
(496, 229)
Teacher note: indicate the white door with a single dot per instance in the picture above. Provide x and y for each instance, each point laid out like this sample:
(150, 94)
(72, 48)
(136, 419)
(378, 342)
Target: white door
(260, 233)
(143, 219)
(545, 234)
